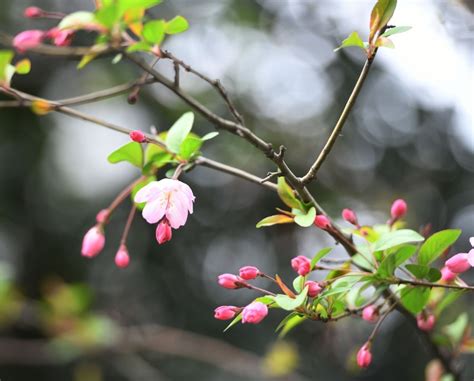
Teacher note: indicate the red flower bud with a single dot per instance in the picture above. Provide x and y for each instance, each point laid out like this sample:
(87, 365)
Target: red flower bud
(249, 272)
(425, 322)
(314, 288)
(225, 312)
(122, 259)
(364, 357)
(370, 314)
(163, 231)
(102, 216)
(458, 263)
(301, 264)
(254, 313)
(349, 216)
(322, 222)
(28, 39)
(229, 281)
(399, 209)
(137, 136)
(93, 242)
(33, 12)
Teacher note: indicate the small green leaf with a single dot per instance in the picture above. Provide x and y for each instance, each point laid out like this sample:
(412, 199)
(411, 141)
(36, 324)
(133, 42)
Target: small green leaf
(419, 271)
(274, 220)
(414, 299)
(209, 136)
(289, 304)
(6, 57)
(77, 20)
(437, 244)
(381, 15)
(395, 259)
(179, 131)
(433, 275)
(131, 152)
(126, 5)
(287, 195)
(306, 220)
(396, 30)
(320, 255)
(23, 66)
(457, 329)
(117, 58)
(237, 319)
(176, 25)
(154, 31)
(190, 146)
(384, 42)
(291, 323)
(298, 283)
(395, 238)
(141, 46)
(450, 298)
(353, 40)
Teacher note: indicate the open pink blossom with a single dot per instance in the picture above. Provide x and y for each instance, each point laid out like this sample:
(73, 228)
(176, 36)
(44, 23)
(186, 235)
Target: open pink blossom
(254, 313)
(28, 39)
(93, 242)
(168, 198)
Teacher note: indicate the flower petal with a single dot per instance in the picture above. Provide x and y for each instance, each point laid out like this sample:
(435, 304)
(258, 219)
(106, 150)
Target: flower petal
(177, 211)
(156, 209)
(149, 192)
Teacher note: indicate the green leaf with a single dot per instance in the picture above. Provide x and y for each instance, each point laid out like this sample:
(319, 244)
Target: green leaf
(209, 136)
(298, 283)
(320, 255)
(237, 319)
(23, 66)
(450, 298)
(154, 31)
(395, 259)
(414, 299)
(384, 42)
(126, 5)
(436, 245)
(305, 220)
(131, 152)
(291, 323)
(287, 195)
(419, 271)
(395, 238)
(396, 30)
(176, 25)
(289, 304)
(141, 46)
(274, 220)
(456, 330)
(381, 15)
(190, 146)
(6, 57)
(353, 40)
(179, 131)
(77, 20)
(433, 275)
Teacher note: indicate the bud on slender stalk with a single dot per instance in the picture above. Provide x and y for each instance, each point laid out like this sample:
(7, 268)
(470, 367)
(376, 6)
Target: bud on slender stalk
(447, 275)
(28, 39)
(426, 322)
(122, 259)
(364, 357)
(314, 288)
(102, 216)
(301, 264)
(399, 209)
(350, 216)
(322, 222)
(33, 12)
(254, 313)
(370, 314)
(458, 263)
(225, 312)
(93, 242)
(249, 272)
(137, 136)
(163, 231)
(229, 281)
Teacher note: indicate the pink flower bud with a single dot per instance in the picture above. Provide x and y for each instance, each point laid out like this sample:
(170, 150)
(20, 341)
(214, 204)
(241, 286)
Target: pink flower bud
(399, 209)
(102, 216)
(122, 259)
(28, 39)
(458, 263)
(249, 272)
(447, 275)
(364, 357)
(426, 322)
(229, 281)
(60, 37)
(137, 136)
(349, 216)
(163, 231)
(33, 12)
(301, 264)
(322, 222)
(93, 242)
(314, 289)
(370, 314)
(225, 312)
(254, 313)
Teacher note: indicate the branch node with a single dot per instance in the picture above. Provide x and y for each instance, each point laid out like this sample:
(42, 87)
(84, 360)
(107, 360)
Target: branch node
(270, 176)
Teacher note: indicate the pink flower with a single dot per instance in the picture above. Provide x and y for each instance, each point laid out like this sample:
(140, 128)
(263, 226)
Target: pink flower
(314, 289)
(254, 313)
(426, 323)
(370, 314)
(137, 136)
(225, 312)
(399, 209)
(163, 231)
(93, 242)
(33, 12)
(60, 37)
(301, 264)
(28, 39)
(447, 275)
(168, 198)
(349, 216)
(322, 222)
(102, 216)
(458, 263)
(122, 259)
(364, 357)
(249, 272)
(229, 281)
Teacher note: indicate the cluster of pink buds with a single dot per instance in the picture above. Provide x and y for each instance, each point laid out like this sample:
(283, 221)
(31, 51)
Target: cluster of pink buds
(458, 264)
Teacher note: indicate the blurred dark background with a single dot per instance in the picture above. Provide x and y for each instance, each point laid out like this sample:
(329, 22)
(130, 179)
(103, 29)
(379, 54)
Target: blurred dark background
(410, 135)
